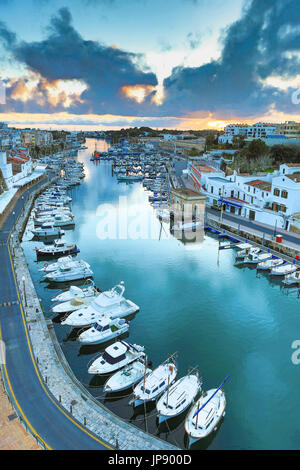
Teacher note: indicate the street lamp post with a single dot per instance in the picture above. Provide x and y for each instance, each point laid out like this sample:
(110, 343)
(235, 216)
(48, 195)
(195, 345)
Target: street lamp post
(25, 299)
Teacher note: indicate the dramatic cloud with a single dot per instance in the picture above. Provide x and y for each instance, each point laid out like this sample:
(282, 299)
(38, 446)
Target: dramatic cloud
(64, 55)
(66, 72)
(264, 42)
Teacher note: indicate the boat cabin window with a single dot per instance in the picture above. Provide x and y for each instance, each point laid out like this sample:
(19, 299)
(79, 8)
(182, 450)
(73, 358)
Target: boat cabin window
(162, 384)
(147, 391)
(155, 389)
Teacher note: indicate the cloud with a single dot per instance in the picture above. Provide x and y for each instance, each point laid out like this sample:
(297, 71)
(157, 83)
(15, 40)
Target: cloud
(262, 43)
(87, 77)
(65, 55)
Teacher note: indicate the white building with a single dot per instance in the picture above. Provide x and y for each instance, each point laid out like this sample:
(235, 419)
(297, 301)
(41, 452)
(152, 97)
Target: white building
(259, 130)
(273, 199)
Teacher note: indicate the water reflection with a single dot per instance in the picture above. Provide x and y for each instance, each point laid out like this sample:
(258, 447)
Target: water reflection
(193, 300)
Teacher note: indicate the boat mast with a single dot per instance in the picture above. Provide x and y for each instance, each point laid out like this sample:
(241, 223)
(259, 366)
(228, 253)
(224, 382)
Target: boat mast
(197, 412)
(146, 361)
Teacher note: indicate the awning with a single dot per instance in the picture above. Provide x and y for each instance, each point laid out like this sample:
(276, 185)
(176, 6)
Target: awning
(229, 203)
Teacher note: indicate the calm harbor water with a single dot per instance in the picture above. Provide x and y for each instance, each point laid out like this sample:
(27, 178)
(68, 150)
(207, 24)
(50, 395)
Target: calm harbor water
(193, 301)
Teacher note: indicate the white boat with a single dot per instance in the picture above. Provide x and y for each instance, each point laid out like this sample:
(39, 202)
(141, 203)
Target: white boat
(67, 273)
(59, 220)
(86, 291)
(116, 356)
(154, 384)
(243, 246)
(60, 247)
(48, 268)
(246, 252)
(254, 258)
(285, 269)
(269, 264)
(200, 425)
(104, 330)
(110, 303)
(178, 397)
(47, 230)
(126, 377)
(130, 177)
(292, 279)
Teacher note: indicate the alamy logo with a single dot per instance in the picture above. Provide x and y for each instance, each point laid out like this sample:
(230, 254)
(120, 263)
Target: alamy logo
(296, 96)
(296, 354)
(2, 353)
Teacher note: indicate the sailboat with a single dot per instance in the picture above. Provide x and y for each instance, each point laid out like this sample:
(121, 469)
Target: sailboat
(155, 383)
(206, 414)
(178, 397)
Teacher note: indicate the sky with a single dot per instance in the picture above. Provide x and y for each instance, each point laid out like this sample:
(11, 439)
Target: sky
(184, 64)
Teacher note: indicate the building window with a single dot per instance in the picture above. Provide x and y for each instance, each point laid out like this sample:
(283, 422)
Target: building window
(284, 194)
(276, 192)
(283, 208)
(211, 189)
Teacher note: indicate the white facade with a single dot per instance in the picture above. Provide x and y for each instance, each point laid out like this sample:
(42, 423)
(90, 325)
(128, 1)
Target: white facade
(272, 199)
(256, 131)
(6, 169)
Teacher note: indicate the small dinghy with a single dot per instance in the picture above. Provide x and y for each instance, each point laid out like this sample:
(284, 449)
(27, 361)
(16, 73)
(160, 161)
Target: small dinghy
(155, 383)
(206, 414)
(60, 247)
(127, 377)
(104, 330)
(116, 356)
(178, 397)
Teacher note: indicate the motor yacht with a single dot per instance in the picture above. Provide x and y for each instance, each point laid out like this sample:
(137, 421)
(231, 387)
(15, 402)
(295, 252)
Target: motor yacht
(116, 356)
(70, 272)
(47, 230)
(284, 269)
(60, 247)
(254, 258)
(110, 303)
(104, 330)
(269, 264)
(86, 291)
(292, 279)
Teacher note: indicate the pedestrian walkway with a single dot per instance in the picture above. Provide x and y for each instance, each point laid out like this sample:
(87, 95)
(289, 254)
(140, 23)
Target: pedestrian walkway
(12, 434)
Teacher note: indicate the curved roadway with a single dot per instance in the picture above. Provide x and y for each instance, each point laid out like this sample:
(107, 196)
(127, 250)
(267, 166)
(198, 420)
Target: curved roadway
(53, 425)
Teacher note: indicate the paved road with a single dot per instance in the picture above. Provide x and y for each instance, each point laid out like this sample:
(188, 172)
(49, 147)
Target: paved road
(56, 428)
(291, 237)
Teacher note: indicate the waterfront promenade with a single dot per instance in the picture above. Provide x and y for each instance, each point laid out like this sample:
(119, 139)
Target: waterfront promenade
(42, 393)
(289, 239)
